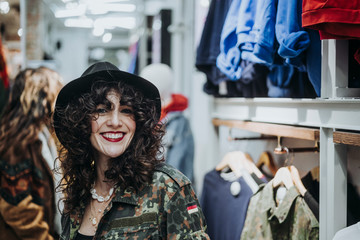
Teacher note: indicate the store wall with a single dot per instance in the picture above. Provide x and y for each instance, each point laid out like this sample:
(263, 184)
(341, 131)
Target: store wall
(72, 57)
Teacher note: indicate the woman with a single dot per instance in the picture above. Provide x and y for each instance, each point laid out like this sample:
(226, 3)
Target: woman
(116, 186)
(27, 153)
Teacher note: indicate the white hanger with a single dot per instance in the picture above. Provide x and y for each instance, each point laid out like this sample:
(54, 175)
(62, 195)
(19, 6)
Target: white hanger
(233, 160)
(283, 177)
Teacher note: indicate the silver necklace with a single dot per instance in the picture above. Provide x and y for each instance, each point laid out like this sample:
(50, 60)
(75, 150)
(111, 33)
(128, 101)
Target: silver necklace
(99, 198)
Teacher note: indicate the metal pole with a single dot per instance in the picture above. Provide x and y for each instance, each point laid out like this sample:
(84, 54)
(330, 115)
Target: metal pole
(23, 25)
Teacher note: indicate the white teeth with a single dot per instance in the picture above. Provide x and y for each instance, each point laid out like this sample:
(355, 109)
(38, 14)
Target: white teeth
(113, 135)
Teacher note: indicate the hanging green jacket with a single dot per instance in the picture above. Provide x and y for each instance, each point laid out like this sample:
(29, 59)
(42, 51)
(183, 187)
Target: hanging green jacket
(292, 219)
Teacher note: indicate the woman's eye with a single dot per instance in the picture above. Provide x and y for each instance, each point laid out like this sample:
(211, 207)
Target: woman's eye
(100, 110)
(127, 111)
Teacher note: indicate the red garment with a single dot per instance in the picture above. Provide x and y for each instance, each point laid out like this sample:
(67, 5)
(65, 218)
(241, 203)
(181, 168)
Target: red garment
(333, 18)
(357, 55)
(178, 103)
(3, 71)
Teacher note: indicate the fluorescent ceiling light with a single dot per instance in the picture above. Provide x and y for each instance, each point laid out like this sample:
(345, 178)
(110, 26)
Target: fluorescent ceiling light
(121, 22)
(98, 31)
(101, 8)
(4, 7)
(107, 37)
(75, 12)
(114, 1)
(103, 1)
(79, 22)
(205, 3)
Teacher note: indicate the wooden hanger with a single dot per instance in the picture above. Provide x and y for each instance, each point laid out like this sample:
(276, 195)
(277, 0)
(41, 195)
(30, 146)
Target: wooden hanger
(297, 180)
(251, 167)
(267, 160)
(315, 173)
(283, 177)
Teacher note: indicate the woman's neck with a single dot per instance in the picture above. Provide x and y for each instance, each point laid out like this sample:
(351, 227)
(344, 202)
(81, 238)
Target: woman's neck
(102, 184)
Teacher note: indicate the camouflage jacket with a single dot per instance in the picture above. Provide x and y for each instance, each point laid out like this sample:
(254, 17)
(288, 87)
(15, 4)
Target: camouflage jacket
(292, 219)
(165, 209)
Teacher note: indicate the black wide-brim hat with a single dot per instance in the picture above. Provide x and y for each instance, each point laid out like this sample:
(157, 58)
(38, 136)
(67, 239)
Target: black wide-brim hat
(104, 71)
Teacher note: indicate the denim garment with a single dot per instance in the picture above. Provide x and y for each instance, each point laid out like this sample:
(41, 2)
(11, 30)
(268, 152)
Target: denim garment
(313, 60)
(247, 29)
(209, 46)
(288, 82)
(179, 144)
(264, 26)
(253, 79)
(228, 61)
(292, 38)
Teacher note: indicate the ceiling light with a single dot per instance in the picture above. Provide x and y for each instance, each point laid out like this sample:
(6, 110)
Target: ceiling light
(114, 1)
(101, 8)
(103, 1)
(74, 12)
(79, 22)
(205, 3)
(98, 31)
(107, 37)
(4, 7)
(121, 22)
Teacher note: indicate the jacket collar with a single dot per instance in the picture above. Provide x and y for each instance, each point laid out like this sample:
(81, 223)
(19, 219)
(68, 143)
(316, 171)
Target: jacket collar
(281, 211)
(125, 196)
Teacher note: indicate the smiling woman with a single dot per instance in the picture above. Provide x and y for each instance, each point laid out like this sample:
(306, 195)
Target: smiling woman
(115, 181)
(113, 128)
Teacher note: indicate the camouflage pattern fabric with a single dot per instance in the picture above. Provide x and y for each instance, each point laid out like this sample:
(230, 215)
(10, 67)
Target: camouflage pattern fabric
(292, 219)
(165, 209)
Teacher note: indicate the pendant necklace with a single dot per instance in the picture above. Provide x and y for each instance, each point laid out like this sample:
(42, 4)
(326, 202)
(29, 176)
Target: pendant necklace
(93, 218)
(94, 214)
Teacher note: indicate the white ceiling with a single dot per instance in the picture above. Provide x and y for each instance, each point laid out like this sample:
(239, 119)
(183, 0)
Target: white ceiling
(112, 19)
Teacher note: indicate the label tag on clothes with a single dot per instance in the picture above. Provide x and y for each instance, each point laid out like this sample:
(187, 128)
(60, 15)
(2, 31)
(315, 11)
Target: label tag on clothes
(192, 209)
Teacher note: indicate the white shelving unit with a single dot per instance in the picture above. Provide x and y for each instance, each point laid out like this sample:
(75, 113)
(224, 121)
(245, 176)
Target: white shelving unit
(337, 109)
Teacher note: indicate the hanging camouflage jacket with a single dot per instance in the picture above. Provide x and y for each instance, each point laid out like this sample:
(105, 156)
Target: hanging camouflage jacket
(291, 219)
(165, 209)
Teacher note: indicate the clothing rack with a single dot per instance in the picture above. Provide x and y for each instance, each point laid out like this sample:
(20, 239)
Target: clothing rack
(347, 138)
(271, 129)
(319, 120)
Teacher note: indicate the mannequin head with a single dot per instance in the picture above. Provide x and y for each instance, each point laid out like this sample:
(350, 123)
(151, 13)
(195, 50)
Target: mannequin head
(161, 75)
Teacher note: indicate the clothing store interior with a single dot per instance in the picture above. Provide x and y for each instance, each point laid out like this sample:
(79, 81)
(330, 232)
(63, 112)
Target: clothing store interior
(262, 98)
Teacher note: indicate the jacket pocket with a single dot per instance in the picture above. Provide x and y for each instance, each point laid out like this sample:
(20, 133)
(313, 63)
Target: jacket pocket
(140, 227)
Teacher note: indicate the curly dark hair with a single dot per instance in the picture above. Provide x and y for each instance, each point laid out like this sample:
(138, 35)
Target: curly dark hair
(134, 168)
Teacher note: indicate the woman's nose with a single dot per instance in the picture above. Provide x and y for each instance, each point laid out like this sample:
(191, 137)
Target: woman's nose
(115, 119)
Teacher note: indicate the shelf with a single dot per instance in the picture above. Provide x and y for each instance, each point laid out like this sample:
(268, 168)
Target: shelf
(347, 138)
(271, 129)
(329, 113)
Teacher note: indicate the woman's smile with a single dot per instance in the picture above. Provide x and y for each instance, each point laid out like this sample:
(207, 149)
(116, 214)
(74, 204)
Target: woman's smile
(113, 136)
